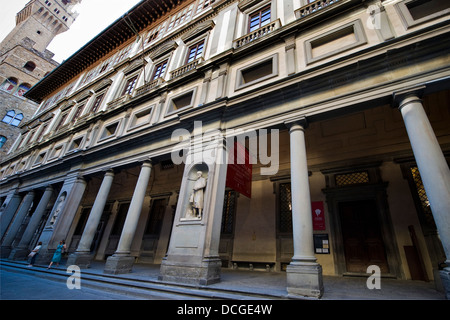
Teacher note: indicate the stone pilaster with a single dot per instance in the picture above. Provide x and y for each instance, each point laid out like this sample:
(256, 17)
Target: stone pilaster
(15, 225)
(22, 250)
(193, 254)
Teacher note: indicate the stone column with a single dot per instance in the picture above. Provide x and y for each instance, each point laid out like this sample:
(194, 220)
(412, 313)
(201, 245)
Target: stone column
(122, 261)
(304, 274)
(82, 257)
(15, 225)
(22, 249)
(433, 169)
(8, 213)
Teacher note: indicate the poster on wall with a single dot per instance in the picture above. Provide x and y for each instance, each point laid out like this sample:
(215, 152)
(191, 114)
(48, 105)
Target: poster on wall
(318, 215)
(321, 244)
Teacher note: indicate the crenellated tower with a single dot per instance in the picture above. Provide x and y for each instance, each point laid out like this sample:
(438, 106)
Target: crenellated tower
(25, 60)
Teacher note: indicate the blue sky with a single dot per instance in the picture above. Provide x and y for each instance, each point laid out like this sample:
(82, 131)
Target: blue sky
(95, 16)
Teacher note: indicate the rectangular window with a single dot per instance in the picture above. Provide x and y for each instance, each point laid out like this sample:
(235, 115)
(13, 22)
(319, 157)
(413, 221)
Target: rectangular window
(123, 54)
(140, 118)
(180, 17)
(128, 89)
(259, 19)
(39, 158)
(257, 72)
(159, 71)
(41, 133)
(182, 101)
(203, 4)
(76, 143)
(414, 12)
(61, 121)
(78, 112)
(423, 8)
(195, 51)
(352, 178)
(110, 130)
(336, 41)
(97, 102)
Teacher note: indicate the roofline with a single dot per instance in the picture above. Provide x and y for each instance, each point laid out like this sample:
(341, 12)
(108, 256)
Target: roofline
(142, 14)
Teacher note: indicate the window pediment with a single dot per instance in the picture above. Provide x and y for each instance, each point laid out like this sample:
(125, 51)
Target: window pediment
(198, 30)
(163, 49)
(83, 95)
(102, 84)
(136, 64)
(247, 4)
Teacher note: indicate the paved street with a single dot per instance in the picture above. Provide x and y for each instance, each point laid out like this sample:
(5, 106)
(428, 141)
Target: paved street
(17, 286)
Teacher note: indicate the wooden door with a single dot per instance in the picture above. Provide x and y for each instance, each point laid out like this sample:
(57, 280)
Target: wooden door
(361, 234)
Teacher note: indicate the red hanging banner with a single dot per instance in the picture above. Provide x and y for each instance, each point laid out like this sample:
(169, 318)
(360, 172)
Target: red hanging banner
(318, 215)
(239, 171)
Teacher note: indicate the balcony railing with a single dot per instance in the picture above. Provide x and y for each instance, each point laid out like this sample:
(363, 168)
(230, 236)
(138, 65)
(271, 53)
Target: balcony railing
(119, 101)
(258, 33)
(148, 87)
(185, 69)
(313, 7)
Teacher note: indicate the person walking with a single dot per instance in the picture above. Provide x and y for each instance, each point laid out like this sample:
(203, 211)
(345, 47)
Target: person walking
(58, 254)
(34, 253)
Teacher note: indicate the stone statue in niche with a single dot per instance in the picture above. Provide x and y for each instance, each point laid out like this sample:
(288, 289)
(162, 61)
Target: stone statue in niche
(196, 198)
(58, 209)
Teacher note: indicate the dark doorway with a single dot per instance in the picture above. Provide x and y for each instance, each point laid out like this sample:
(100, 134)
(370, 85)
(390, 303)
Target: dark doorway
(361, 234)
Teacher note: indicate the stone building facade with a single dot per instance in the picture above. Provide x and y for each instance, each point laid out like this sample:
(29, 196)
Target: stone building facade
(276, 136)
(25, 60)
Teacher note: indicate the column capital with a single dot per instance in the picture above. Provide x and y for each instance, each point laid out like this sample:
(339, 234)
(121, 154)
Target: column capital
(48, 188)
(299, 123)
(109, 171)
(398, 97)
(147, 163)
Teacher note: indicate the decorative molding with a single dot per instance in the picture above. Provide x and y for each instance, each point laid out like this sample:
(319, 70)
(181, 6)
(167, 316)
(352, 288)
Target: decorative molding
(198, 30)
(163, 49)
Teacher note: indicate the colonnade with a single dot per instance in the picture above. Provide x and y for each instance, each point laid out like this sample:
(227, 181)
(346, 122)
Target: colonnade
(304, 274)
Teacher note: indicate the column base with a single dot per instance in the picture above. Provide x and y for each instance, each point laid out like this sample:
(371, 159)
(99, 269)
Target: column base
(445, 277)
(80, 259)
(117, 264)
(304, 280)
(19, 254)
(5, 252)
(205, 274)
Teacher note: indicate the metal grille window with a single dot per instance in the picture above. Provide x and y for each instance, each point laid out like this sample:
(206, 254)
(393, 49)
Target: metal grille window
(229, 206)
(285, 218)
(352, 178)
(423, 198)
